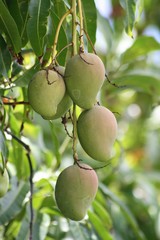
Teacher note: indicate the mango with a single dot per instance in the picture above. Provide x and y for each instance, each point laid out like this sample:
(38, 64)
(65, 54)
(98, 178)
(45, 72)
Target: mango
(84, 76)
(4, 182)
(75, 190)
(97, 131)
(45, 92)
(66, 101)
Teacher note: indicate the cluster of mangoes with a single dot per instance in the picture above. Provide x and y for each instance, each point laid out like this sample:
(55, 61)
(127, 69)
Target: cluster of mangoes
(50, 95)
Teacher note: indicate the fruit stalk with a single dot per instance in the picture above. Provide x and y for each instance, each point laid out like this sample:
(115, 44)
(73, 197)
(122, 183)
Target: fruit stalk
(57, 34)
(74, 25)
(81, 26)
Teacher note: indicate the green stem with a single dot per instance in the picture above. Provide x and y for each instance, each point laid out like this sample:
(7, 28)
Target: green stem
(74, 52)
(81, 26)
(74, 25)
(57, 33)
(74, 147)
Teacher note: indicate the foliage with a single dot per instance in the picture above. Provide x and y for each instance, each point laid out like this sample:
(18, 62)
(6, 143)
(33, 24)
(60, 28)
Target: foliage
(33, 149)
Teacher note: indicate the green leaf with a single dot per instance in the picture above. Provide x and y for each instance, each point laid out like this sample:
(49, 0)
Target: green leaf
(24, 80)
(99, 226)
(40, 227)
(129, 6)
(23, 6)
(3, 147)
(102, 214)
(5, 59)
(14, 10)
(129, 216)
(62, 39)
(90, 20)
(9, 26)
(79, 232)
(140, 83)
(37, 24)
(11, 203)
(140, 47)
(24, 229)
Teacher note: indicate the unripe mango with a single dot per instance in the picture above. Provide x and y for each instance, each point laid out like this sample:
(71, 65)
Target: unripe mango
(4, 182)
(75, 190)
(84, 76)
(45, 91)
(66, 101)
(97, 131)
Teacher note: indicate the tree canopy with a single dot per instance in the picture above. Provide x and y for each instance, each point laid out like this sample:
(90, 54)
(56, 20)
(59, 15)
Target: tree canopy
(36, 35)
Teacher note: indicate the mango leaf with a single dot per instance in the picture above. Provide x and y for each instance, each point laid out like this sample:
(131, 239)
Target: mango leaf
(5, 59)
(102, 214)
(59, 7)
(53, 21)
(14, 10)
(8, 25)
(140, 47)
(40, 227)
(79, 232)
(99, 226)
(3, 148)
(37, 24)
(23, 6)
(24, 229)
(140, 83)
(24, 80)
(90, 20)
(127, 213)
(11, 203)
(129, 7)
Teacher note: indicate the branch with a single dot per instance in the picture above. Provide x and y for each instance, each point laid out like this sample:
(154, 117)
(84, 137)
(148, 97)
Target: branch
(27, 148)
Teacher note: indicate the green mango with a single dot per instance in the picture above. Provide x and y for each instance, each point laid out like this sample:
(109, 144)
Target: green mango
(4, 182)
(45, 92)
(97, 131)
(66, 101)
(75, 190)
(84, 76)
(63, 106)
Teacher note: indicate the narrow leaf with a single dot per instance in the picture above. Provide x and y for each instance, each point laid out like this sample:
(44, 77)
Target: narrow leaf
(140, 83)
(99, 226)
(3, 147)
(11, 203)
(24, 80)
(129, 6)
(90, 20)
(5, 59)
(37, 24)
(140, 47)
(9, 26)
(14, 10)
(129, 216)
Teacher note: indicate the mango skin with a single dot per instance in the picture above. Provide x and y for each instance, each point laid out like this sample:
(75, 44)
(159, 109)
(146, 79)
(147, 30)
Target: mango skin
(45, 91)
(66, 101)
(84, 76)
(97, 131)
(75, 190)
(4, 182)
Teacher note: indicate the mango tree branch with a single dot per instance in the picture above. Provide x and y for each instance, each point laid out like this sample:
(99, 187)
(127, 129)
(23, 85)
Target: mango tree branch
(27, 148)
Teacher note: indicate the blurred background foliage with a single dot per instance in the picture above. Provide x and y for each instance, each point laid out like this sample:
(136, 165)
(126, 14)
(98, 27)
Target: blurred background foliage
(126, 35)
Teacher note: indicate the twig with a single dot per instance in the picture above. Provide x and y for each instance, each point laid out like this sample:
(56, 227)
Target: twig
(27, 148)
(64, 122)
